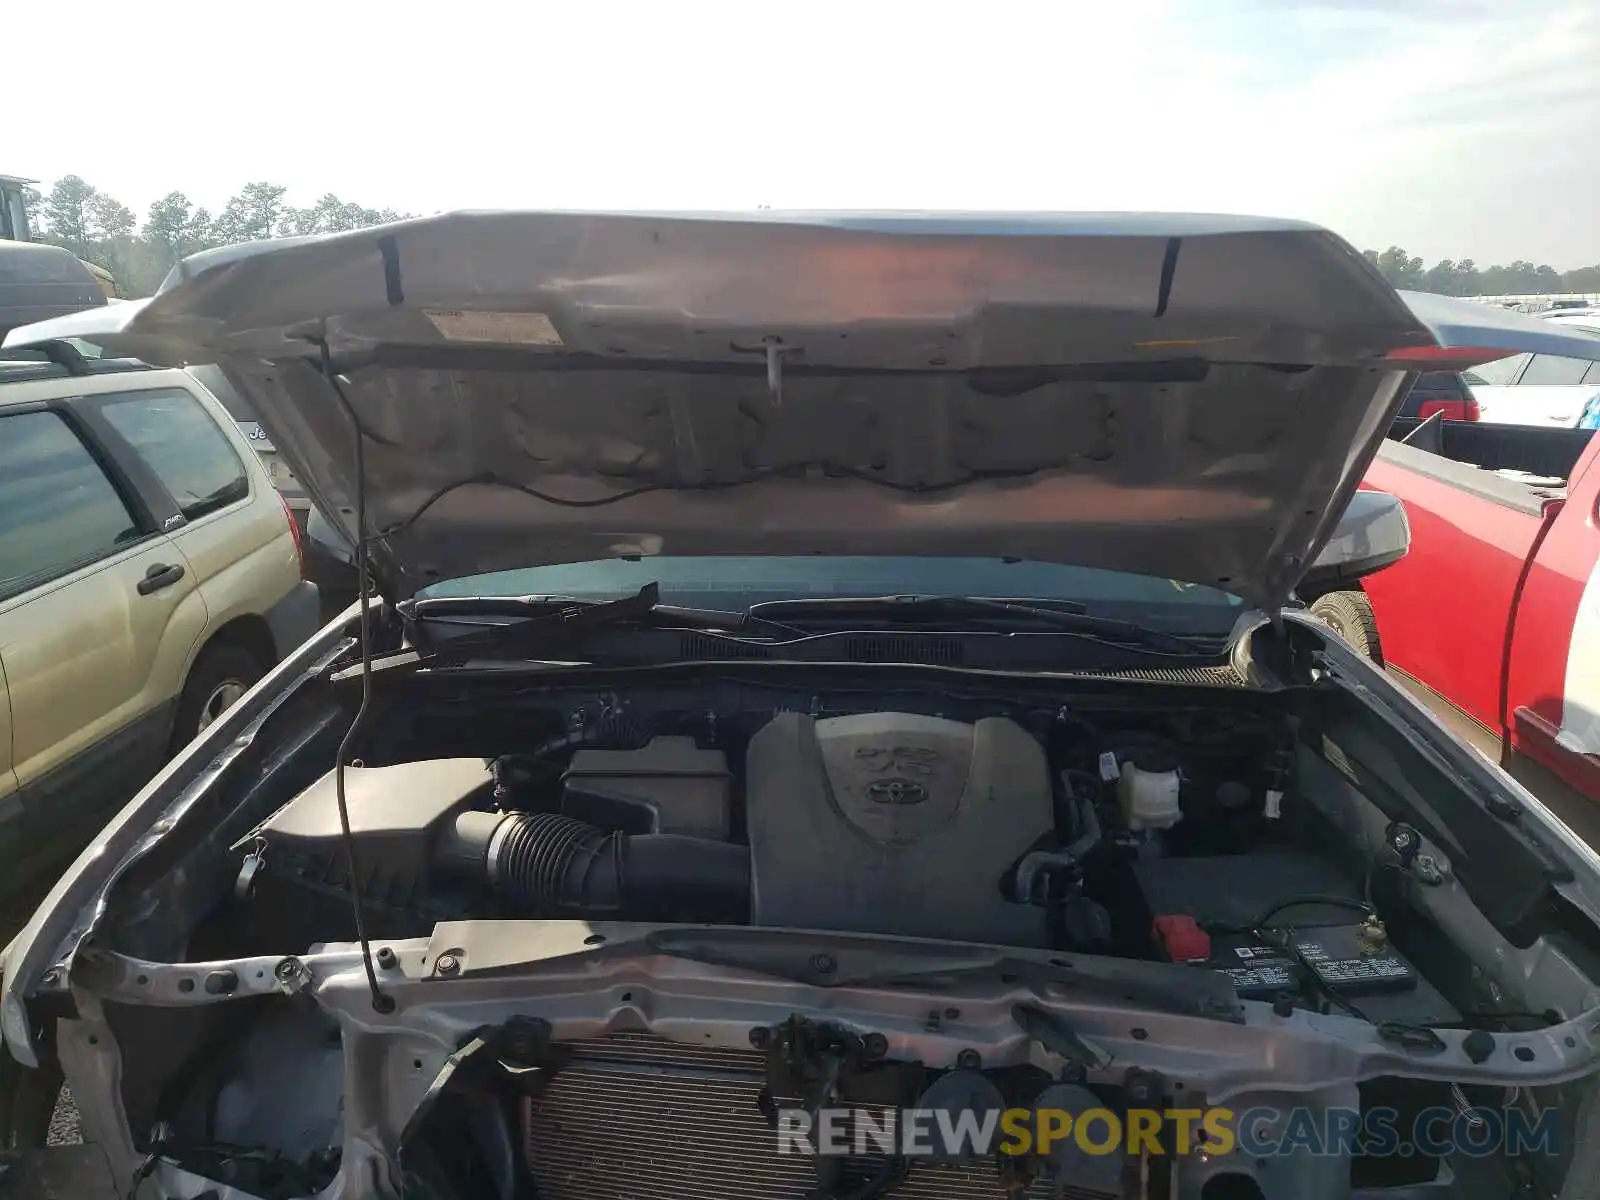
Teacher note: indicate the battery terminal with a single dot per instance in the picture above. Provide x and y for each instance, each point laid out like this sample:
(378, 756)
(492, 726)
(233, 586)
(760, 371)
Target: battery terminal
(1373, 936)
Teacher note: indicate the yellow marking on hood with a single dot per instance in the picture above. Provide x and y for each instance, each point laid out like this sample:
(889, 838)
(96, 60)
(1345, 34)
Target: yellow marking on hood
(1175, 342)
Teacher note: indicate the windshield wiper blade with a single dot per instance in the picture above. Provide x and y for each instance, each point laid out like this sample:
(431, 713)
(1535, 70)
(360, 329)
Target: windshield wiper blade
(917, 604)
(859, 960)
(539, 621)
(1066, 616)
(566, 608)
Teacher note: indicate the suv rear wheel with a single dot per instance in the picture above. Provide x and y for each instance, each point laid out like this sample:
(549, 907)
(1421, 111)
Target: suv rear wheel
(221, 675)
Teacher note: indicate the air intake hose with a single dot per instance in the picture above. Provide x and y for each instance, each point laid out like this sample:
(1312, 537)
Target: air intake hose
(546, 864)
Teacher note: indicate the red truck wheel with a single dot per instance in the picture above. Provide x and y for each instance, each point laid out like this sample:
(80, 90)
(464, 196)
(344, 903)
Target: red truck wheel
(1350, 616)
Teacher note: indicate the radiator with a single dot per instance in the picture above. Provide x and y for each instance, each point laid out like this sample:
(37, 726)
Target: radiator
(636, 1117)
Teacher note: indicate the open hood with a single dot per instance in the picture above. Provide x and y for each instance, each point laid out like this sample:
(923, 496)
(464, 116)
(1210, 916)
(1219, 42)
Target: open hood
(1188, 397)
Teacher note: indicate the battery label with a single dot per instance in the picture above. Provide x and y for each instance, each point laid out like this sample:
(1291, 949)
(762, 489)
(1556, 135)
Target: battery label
(1381, 970)
(1271, 976)
(1255, 969)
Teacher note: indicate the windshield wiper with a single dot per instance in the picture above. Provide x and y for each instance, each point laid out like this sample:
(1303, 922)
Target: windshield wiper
(845, 960)
(541, 621)
(567, 609)
(1067, 616)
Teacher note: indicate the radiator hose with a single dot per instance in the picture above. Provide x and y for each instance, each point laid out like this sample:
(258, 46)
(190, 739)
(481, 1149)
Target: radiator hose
(545, 864)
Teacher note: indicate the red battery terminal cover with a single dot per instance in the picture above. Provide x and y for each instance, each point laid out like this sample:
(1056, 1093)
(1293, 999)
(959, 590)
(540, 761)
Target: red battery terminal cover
(1181, 938)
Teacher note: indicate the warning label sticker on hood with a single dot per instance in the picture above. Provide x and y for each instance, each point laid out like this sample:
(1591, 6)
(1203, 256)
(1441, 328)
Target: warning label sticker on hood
(501, 328)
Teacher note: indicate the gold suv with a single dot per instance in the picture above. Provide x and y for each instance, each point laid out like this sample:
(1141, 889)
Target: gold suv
(150, 574)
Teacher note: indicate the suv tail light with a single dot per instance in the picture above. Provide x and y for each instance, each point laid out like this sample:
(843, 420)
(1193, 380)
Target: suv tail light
(294, 529)
(1452, 410)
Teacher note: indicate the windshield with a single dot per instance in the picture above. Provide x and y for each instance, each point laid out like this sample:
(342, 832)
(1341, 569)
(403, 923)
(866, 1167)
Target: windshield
(737, 583)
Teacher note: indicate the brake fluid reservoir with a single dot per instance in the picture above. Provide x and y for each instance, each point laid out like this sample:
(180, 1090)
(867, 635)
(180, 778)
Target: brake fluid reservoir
(1148, 799)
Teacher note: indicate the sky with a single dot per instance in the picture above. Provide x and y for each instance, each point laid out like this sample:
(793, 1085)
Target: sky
(1454, 128)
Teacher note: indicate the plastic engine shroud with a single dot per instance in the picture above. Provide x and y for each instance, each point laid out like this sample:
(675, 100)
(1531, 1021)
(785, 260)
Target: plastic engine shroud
(895, 823)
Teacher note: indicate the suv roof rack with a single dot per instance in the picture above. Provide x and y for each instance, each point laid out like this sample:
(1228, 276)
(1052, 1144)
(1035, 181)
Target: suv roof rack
(52, 359)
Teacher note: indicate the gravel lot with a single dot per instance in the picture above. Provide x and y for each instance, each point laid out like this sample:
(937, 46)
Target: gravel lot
(65, 1127)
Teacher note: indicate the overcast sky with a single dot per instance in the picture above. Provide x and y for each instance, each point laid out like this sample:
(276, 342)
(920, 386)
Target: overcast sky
(1452, 127)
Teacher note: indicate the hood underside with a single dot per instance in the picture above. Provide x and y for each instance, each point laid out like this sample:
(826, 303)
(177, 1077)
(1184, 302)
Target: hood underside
(1187, 397)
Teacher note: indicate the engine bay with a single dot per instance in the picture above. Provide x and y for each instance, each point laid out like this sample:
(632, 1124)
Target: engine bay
(1142, 836)
(1174, 837)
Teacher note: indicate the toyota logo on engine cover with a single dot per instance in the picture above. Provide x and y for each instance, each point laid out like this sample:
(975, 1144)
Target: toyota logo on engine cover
(896, 791)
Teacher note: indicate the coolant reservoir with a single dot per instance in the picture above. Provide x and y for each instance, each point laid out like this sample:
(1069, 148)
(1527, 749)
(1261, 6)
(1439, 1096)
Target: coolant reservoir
(1148, 799)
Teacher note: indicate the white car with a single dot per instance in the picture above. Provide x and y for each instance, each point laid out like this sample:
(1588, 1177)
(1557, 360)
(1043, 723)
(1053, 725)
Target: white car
(1542, 389)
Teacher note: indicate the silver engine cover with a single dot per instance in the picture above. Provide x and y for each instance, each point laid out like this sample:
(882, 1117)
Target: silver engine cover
(895, 823)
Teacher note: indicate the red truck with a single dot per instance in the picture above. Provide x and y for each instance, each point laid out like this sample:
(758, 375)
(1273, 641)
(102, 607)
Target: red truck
(1496, 608)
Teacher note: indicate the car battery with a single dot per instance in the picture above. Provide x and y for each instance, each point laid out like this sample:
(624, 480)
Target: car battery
(1374, 979)
(1317, 914)
(1334, 960)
